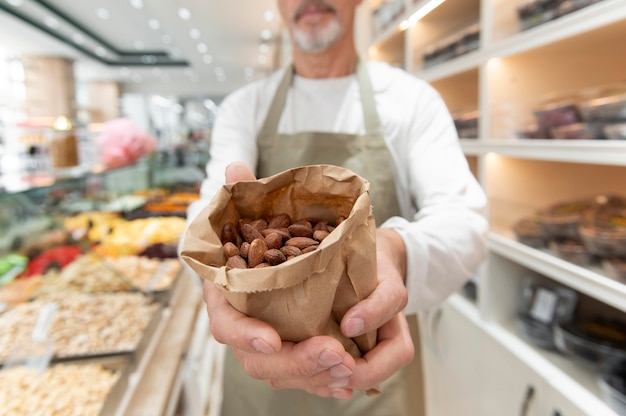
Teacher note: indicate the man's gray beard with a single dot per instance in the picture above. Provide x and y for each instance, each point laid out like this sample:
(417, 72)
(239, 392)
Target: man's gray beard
(318, 40)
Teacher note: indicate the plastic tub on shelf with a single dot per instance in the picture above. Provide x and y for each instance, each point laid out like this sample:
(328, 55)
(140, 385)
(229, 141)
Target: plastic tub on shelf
(615, 131)
(598, 343)
(527, 231)
(613, 388)
(579, 131)
(604, 109)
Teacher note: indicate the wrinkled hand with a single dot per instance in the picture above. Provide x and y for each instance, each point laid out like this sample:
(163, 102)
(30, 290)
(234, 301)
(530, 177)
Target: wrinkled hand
(320, 365)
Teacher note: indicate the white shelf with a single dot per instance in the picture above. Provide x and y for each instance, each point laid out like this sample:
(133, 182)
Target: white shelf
(590, 281)
(580, 22)
(560, 371)
(605, 152)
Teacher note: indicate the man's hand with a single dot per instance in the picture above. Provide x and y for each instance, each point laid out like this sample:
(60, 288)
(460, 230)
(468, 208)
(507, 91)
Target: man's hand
(320, 365)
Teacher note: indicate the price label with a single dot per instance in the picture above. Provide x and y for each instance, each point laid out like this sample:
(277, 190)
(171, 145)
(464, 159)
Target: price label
(544, 305)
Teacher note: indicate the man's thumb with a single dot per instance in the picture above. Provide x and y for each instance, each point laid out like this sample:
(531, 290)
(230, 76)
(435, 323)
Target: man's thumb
(238, 171)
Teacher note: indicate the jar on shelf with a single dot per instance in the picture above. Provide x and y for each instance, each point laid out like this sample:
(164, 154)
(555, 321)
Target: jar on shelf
(63, 144)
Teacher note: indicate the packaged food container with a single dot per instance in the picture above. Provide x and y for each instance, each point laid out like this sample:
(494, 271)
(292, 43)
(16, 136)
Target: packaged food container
(557, 114)
(466, 123)
(613, 388)
(615, 268)
(579, 131)
(527, 231)
(599, 343)
(603, 238)
(544, 304)
(604, 232)
(532, 131)
(563, 219)
(603, 109)
(615, 131)
(570, 250)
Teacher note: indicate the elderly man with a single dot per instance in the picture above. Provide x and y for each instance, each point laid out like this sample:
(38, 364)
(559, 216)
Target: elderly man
(331, 107)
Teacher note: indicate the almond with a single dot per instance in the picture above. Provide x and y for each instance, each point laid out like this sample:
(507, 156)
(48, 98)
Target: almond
(301, 230)
(256, 254)
(259, 224)
(229, 233)
(319, 235)
(236, 262)
(290, 251)
(274, 256)
(273, 240)
(279, 221)
(249, 233)
(230, 249)
(310, 249)
(282, 232)
(301, 242)
(243, 250)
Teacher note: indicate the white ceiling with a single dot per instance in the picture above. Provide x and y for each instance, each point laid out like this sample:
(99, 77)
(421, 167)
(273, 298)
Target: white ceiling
(231, 31)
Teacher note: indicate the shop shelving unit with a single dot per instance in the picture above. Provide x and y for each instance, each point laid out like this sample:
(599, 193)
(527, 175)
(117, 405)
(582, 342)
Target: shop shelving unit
(475, 360)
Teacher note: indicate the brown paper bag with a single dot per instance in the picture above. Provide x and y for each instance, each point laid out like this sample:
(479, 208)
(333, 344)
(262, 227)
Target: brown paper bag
(309, 294)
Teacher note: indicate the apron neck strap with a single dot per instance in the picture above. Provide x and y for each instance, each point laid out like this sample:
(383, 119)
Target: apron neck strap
(370, 115)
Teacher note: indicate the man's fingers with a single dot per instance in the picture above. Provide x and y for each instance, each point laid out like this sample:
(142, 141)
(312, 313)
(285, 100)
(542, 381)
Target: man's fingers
(389, 298)
(394, 351)
(238, 171)
(296, 360)
(231, 327)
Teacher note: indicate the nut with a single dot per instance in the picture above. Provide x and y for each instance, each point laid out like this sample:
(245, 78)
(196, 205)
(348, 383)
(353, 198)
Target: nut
(236, 262)
(244, 249)
(301, 242)
(249, 233)
(274, 256)
(290, 251)
(279, 221)
(301, 230)
(319, 235)
(273, 240)
(256, 254)
(230, 249)
(229, 233)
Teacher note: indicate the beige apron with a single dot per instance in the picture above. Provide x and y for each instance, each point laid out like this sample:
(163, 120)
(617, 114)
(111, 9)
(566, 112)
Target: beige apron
(368, 156)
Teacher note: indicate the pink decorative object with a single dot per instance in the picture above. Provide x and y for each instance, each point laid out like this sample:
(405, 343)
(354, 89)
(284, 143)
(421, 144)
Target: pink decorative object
(123, 143)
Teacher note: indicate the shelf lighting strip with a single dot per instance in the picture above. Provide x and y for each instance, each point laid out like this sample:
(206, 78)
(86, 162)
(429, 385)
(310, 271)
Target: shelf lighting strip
(419, 14)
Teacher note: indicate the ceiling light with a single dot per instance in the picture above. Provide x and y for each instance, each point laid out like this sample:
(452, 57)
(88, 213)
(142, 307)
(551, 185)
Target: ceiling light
(103, 13)
(266, 34)
(221, 78)
(51, 22)
(78, 38)
(219, 70)
(184, 13)
(264, 48)
(15, 3)
(154, 24)
(268, 15)
(166, 39)
(194, 33)
(262, 59)
(148, 59)
(100, 51)
(175, 52)
(139, 45)
(137, 4)
(208, 59)
(202, 48)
